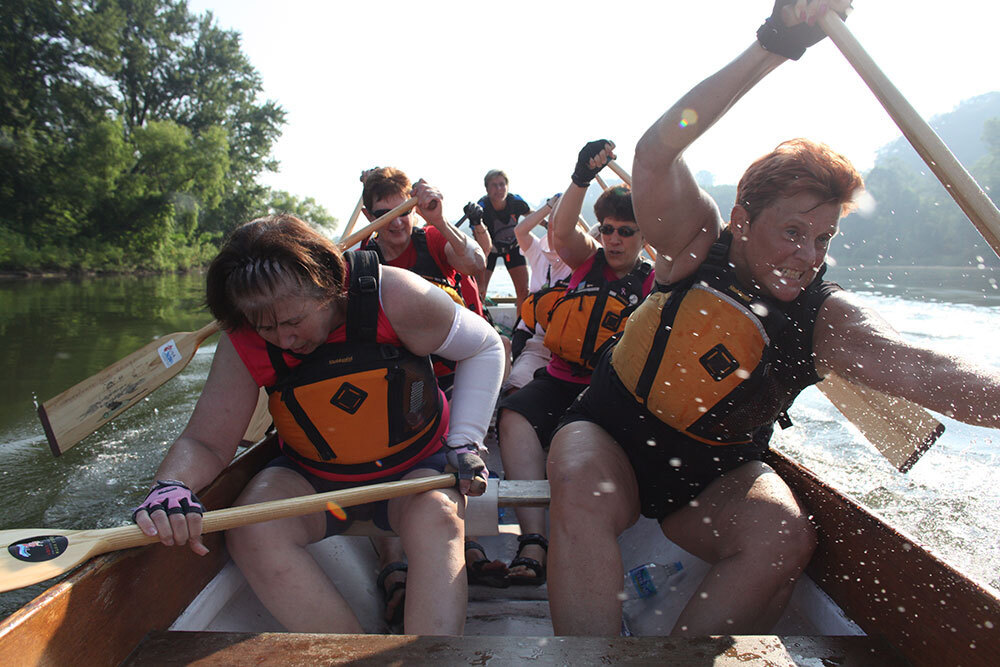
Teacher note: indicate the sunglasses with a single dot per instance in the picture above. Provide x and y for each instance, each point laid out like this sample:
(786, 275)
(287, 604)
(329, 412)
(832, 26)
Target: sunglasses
(378, 213)
(623, 231)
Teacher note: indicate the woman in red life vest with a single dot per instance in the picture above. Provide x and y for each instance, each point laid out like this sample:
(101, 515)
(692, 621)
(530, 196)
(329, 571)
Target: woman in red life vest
(315, 327)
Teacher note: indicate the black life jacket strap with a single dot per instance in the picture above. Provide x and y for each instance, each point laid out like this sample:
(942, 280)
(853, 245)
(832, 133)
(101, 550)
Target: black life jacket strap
(362, 296)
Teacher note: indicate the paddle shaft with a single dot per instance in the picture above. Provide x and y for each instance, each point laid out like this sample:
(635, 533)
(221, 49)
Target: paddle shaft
(85, 544)
(956, 180)
(354, 218)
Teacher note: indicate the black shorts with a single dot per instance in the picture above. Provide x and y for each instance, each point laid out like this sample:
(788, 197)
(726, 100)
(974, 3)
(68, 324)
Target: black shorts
(543, 402)
(377, 512)
(511, 260)
(670, 468)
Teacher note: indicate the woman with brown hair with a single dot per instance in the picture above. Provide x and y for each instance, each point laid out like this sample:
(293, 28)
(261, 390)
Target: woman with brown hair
(316, 328)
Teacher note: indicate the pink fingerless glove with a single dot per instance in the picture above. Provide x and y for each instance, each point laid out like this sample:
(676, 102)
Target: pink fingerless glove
(172, 497)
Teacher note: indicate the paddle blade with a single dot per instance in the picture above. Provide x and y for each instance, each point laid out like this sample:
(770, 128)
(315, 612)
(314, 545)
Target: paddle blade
(261, 420)
(82, 409)
(900, 430)
(36, 554)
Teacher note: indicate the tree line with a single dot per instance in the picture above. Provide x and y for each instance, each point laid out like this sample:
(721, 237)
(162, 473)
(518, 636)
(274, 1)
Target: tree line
(132, 135)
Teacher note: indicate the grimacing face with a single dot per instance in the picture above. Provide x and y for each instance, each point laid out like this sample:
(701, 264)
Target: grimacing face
(783, 248)
(397, 233)
(297, 323)
(620, 251)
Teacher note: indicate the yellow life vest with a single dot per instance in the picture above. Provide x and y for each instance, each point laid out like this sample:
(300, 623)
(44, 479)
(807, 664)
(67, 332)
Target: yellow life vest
(536, 307)
(698, 356)
(358, 407)
(585, 317)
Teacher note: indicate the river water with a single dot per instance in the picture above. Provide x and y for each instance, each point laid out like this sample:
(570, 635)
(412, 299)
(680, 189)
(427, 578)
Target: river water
(55, 333)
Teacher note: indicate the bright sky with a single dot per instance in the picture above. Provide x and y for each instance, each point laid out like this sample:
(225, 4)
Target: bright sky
(449, 90)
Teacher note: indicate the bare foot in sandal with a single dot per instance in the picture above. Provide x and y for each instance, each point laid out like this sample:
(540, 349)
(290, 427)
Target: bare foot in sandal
(482, 570)
(391, 583)
(528, 566)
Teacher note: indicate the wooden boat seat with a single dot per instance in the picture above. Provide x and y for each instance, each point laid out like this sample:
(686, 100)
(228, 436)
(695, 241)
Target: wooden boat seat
(291, 650)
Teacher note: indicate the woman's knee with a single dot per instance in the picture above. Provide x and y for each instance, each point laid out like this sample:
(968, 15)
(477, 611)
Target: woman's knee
(437, 511)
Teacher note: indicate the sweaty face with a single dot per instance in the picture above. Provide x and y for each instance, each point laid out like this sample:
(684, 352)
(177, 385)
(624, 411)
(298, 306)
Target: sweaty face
(783, 248)
(298, 324)
(397, 233)
(496, 188)
(621, 251)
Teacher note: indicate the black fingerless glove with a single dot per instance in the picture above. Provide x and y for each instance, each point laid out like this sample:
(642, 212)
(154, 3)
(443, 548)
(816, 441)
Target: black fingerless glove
(584, 173)
(466, 460)
(791, 42)
(474, 212)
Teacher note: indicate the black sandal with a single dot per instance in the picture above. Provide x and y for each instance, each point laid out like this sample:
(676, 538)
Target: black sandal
(523, 561)
(387, 595)
(486, 572)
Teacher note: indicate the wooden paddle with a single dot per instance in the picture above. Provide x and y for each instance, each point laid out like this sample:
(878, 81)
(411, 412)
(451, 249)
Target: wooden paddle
(82, 409)
(956, 180)
(32, 555)
(900, 430)
(354, 218)
(85, 407)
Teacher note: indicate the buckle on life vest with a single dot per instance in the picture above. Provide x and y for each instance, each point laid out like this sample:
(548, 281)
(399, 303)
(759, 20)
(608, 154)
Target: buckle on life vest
(719, 362)
(389, 351)
(349, 398)
(611, 321)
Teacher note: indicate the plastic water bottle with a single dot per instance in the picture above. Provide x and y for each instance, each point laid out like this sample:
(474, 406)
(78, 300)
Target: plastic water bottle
(646, 589)
(650, 579)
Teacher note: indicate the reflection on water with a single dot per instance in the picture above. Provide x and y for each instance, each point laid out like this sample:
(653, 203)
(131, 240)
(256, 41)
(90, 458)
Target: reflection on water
(55, 333)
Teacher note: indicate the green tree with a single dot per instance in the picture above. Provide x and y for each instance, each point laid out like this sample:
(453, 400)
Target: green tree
(131, 134)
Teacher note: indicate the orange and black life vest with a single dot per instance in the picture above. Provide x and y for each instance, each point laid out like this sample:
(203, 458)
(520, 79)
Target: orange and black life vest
(360, 408)
(582, 320)
(536, 306)
(716, 360)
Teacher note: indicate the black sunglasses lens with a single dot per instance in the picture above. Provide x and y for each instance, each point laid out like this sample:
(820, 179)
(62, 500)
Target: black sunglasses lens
(623, 232)
(382, 211)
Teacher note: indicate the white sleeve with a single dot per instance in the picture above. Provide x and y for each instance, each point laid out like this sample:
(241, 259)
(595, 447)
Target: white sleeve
(477, 348)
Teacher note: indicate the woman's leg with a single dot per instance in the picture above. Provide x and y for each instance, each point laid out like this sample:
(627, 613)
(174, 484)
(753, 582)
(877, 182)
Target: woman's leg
(594, 499)
(432, 528)
(523, 458)
(750, 526)
(519, 275)
(273, 558)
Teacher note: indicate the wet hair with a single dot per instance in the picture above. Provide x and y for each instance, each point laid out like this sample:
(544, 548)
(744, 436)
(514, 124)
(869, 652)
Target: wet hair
(799, 165)
(493, 173)
(615, 202)
(269, 259)
(383, 183)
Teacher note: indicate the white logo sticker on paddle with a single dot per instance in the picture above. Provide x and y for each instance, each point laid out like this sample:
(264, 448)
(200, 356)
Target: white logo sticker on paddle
(169, 354)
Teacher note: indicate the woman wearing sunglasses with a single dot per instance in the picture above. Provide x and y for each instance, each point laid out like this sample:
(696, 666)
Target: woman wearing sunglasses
(439, 251)
(608, 282)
